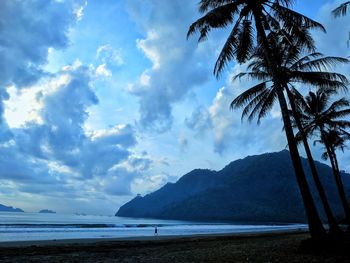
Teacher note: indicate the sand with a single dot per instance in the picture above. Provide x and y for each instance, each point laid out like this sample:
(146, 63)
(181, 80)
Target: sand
(268, 247)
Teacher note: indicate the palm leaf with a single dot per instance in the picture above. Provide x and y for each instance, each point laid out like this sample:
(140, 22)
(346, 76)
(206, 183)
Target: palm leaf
(228, 51)
(267, 105)
(205, 5)
(245, 41)
(253, 75)
(254, 104)
(248, 95)
(341, 10)
(291, 18)
(320, 64)
(221, 16)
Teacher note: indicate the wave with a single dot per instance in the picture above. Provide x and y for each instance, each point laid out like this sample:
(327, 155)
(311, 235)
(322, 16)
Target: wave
(81, 225)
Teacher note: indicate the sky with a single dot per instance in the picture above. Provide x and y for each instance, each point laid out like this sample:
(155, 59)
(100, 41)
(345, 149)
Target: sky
(101, 100)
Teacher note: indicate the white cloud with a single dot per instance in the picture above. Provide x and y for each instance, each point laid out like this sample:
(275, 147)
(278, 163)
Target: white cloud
(79, 10)
(225, 125)
(56, 157)
(110, 55)
(148, 48)
(178, 65)
(29, 29)
(102, 70)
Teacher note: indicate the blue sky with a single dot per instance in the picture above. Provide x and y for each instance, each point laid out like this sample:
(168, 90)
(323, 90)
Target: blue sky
(102, 100)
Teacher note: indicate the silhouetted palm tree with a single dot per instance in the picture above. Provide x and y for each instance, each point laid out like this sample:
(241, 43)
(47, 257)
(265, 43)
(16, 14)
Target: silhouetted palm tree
(320, 115)
(266, 15)
(259, 100)
(336, 141)
(341, 10)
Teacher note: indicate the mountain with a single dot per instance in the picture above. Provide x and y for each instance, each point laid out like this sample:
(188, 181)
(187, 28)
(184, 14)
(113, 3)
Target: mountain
(47, 211)
(4, 208)
(260, 188)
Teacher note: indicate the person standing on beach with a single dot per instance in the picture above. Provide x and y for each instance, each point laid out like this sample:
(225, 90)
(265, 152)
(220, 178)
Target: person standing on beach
(156, 231)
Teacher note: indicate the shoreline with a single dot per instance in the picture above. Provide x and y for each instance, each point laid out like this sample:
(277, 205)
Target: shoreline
(53, 242)
(252, 247)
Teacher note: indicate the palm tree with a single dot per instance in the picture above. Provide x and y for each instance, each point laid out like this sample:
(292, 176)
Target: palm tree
(258, 100)
(321, 116)
(341, 10)
(333, 225)
(267, 16)
(336, 140)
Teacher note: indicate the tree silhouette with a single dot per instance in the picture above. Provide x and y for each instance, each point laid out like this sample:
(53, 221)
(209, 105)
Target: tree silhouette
(321, 116)
(336, 140)
(266, 16)
(341, 10)
(259, 100)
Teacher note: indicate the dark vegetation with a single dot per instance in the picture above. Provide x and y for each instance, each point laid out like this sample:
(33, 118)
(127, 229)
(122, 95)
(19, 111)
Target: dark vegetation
(255, 189)
(47, 211)
(278, 43)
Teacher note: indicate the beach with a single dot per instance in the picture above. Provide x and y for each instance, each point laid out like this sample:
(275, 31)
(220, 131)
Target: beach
(266, 247)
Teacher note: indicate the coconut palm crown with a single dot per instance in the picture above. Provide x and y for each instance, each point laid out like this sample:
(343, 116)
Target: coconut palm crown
(335, 139)
(267, 15)
(311, 69)
(251, 22)
(317, 111)
(321, 116)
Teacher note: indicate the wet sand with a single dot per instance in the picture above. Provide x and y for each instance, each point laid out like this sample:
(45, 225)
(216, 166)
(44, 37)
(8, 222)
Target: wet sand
(268, 247)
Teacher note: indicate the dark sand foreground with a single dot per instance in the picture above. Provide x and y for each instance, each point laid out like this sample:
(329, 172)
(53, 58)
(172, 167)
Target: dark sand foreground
(280, 247)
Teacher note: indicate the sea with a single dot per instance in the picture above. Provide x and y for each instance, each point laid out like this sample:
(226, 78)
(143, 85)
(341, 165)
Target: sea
(41, 226)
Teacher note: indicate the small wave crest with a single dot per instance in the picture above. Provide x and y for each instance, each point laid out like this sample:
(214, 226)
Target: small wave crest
(2, 226)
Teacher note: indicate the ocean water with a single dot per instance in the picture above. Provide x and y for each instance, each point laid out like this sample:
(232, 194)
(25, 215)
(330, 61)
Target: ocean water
(35, 226)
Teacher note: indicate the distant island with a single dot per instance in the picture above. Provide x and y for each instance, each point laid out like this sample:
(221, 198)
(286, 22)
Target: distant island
(4, 208)
(47, 211)
(80, 214)
(260, 188)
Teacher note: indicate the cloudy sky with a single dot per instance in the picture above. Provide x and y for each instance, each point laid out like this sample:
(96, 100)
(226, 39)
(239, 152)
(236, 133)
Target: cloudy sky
(103, 99)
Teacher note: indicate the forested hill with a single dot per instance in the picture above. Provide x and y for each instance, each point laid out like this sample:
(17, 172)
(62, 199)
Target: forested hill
(259, 188)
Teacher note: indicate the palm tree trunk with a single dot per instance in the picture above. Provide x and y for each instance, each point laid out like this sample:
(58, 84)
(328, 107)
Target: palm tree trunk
(333, 226)
(316, 228)
(337, 177)
(340, 186)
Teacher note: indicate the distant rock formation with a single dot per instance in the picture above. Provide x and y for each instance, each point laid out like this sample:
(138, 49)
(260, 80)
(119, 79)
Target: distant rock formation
(260, 188)
(47, 211)
(80, 214)
(4, 208)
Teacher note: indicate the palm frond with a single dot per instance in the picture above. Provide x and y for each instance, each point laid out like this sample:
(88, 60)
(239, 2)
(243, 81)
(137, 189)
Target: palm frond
(254, 104)
(305, 59)
(341, 10)
(321, 79)
(253, 75)
(267, 105)
(221, 16)
(245, 43)
(323, 63)
(324, 156)
(336, 105)
(291, 18)
(228, 51)
(286, 3)
(248, 95)
(340, 113)
(205, 5)
(262, 106)
(342, 124)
